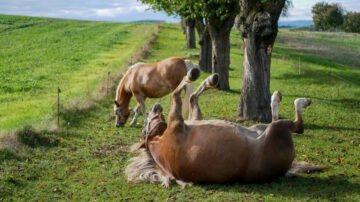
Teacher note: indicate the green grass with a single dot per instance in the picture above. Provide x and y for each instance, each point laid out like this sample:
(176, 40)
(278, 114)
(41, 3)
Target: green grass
(86, 160)
(337, 48)
(37, 55)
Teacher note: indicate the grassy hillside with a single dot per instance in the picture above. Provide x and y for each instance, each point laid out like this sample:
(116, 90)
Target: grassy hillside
(335, 47)
(38, 55)
(86, 160)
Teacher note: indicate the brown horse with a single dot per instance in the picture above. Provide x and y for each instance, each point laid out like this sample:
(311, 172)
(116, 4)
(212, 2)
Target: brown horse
(215, 151)
(149, 81)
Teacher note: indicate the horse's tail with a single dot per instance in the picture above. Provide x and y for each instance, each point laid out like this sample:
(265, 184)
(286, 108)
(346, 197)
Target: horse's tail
(144, 168)
(188, 91)
(303, 167)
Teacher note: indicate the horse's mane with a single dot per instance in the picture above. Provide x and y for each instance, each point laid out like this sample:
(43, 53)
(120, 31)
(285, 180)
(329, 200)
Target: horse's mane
(123, 78)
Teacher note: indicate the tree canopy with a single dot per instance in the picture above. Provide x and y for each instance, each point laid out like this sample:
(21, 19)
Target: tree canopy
(223, 9)
(327, 16)
(352, 22)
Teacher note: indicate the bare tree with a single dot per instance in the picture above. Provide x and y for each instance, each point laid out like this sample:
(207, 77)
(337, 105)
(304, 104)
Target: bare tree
(258, 24)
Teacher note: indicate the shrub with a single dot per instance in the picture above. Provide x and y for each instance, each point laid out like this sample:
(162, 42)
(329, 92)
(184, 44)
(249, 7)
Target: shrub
(352, 22)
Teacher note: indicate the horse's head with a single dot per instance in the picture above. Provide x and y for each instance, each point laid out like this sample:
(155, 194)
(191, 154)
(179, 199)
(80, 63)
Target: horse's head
(155, 124)
(121, 114)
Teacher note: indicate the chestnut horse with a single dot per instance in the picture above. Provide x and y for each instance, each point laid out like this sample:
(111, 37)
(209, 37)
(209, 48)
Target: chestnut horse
(149, 81)
(215, 151)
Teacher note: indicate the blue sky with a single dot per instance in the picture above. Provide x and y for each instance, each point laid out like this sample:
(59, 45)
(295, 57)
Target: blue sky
(130, 10)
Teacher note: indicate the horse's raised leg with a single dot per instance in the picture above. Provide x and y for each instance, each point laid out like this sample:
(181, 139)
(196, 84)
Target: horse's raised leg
(176, 103)
(300, 103)
(141, 100)
(302, 167)
(289, 125)
(137, 112)
(210, 82)
(275, 102)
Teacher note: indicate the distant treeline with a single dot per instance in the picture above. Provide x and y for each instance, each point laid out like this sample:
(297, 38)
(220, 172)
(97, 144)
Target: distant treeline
(330, 17)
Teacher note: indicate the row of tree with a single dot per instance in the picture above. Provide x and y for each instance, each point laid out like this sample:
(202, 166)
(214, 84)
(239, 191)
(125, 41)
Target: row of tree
(329, 17)
(257, 20)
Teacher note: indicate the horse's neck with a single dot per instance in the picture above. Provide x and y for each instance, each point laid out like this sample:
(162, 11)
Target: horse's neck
(278, 148)
(123, 96)
(278, 141)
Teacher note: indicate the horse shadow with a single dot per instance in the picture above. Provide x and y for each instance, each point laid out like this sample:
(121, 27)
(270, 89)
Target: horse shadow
(340, 102)
(333, 187)
(330, 128)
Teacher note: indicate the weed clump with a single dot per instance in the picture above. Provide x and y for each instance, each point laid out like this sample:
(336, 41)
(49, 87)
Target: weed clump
(32, 138)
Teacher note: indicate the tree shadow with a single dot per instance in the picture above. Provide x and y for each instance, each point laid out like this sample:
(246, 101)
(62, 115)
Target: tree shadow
(341, 102)
(327, 52)
(305, 78)
(33, 138)
(330, 188)
(232, 91)
(345, 76)
(332, 128)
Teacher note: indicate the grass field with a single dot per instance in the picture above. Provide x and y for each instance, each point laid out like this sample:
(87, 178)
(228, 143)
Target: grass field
(86, 159)
(38, 55)
(339, 48)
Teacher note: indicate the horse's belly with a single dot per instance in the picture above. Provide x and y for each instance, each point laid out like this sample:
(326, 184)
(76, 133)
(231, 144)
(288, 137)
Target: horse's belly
(217, 159)
(159, 92)
(212, 167)
(155, 88)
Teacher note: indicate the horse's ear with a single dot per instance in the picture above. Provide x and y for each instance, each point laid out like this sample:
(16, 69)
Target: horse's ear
(116, 103)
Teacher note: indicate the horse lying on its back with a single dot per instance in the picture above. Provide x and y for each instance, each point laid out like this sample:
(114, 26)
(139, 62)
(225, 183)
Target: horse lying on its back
(215, 151)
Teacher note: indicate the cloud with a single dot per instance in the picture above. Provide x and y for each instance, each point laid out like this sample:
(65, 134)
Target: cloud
(107, 10)
(130, 10)
(113, 12)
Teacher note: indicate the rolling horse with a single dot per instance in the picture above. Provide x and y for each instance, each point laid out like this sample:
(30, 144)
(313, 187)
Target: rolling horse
(149, 81)
(215, 151)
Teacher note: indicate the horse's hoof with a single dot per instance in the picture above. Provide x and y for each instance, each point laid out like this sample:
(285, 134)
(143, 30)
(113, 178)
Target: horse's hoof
(302, 103)
(193, 73)
(213, 80)
(277, 94)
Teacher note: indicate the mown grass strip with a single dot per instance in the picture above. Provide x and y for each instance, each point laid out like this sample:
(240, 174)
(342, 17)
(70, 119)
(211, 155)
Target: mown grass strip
(72, 55)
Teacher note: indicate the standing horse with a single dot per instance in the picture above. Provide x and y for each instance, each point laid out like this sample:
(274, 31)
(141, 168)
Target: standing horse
(215, 151)
(149, 81)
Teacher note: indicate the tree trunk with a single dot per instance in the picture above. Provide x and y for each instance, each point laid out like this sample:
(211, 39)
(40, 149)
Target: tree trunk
(257, 22)
(220, 39)
(255, 93)
(205, 45)
(190, 34)
(183, 24)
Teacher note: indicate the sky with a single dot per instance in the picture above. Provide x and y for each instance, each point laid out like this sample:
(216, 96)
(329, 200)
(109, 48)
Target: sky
(131, 10)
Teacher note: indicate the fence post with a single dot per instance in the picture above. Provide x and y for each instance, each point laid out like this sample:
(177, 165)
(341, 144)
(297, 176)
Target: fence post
(299, 65)
(58, 107)
(87, 85)
(107, 84)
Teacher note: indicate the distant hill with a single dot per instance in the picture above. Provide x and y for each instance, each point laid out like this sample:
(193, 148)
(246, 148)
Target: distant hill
(149, 21)
(296, 23)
